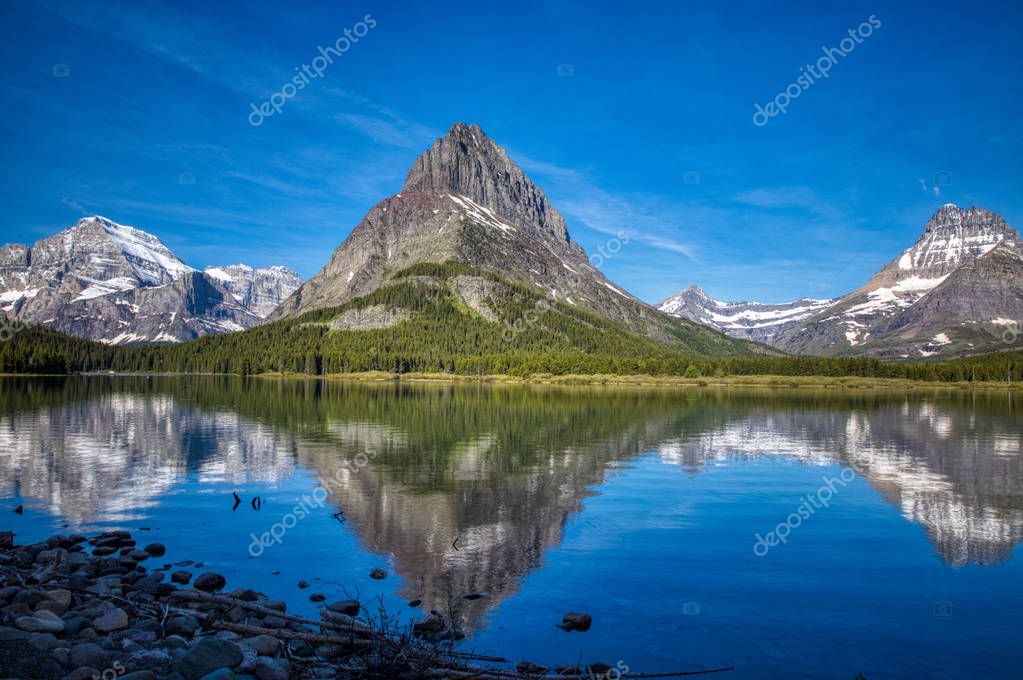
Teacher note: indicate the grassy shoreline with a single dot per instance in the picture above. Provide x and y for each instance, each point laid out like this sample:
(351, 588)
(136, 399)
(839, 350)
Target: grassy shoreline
(830, 382)
(640, 380)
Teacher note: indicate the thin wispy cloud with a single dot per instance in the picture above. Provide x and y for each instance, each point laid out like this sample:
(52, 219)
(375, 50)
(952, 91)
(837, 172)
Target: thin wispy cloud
(381, 124)
(798, 198)
(935, 190)
(160, 89)
(74, 205)
(605, 212)
(276, 184)
(163, 32)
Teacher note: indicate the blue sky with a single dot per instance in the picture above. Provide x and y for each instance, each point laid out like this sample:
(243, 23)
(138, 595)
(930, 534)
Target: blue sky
(109, 108)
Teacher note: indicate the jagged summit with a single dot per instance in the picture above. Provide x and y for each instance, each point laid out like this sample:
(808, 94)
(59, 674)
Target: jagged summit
(240, 266)
(951, 237)
(260, 289)
(436, 170)
(468, 163)
(465, 201)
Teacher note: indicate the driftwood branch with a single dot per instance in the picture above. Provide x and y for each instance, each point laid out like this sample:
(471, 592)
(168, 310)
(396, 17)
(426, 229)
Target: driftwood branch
(341, 622)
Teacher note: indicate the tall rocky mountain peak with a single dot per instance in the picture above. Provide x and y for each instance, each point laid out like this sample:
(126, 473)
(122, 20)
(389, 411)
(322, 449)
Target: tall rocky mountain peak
(954, 291)
(465, 201)
(467, 162)
(951, 237)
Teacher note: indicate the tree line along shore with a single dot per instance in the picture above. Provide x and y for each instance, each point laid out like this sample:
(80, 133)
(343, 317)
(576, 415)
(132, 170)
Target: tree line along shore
(283, 349)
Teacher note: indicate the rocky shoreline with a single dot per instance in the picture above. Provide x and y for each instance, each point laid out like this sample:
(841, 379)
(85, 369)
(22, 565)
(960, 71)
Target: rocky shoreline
(82, 608)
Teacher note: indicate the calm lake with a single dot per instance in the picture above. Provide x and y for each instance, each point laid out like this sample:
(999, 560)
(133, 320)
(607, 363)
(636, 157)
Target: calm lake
(789, 533)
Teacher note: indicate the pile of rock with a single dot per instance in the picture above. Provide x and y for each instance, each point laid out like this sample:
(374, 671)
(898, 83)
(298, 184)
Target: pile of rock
(78, 608)
(87, 608)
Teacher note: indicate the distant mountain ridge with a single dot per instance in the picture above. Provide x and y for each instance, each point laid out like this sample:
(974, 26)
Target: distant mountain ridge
(118, 284)
(258, 290)
(953, 292)
(750, 320)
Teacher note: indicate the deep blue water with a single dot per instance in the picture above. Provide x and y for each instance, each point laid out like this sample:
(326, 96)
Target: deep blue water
(637, 506)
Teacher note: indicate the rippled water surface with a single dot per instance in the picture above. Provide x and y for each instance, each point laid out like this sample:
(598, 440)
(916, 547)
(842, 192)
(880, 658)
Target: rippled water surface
(896, 517)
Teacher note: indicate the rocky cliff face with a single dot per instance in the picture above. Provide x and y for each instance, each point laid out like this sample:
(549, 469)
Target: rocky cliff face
(118, 284)
(468, 163)
(465, 200)
(257, 290)
(947, 295)
(748, 320)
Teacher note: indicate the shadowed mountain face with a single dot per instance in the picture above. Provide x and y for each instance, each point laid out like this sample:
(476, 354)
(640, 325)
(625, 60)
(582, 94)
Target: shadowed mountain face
(466, 201)
(467, 488)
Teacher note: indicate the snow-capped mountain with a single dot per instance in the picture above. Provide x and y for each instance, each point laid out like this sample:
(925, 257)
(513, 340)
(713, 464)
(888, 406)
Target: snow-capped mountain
(957, 290)
(258, 290)
(978, 307)
(749, 320)
(952, 292)
(118, 284)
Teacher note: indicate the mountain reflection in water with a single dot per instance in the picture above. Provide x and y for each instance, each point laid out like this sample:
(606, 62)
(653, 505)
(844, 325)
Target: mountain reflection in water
(467, 486)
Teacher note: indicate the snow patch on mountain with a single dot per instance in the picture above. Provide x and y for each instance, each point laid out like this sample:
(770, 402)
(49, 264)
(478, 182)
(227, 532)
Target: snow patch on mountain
(258, 290)
(152, 261)
(609, 286)
(10, 297)
(902, 294)
(218, 273)
(481, 213)
(118, 284)
(749, 320)
(99, 288)
(953, 236)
